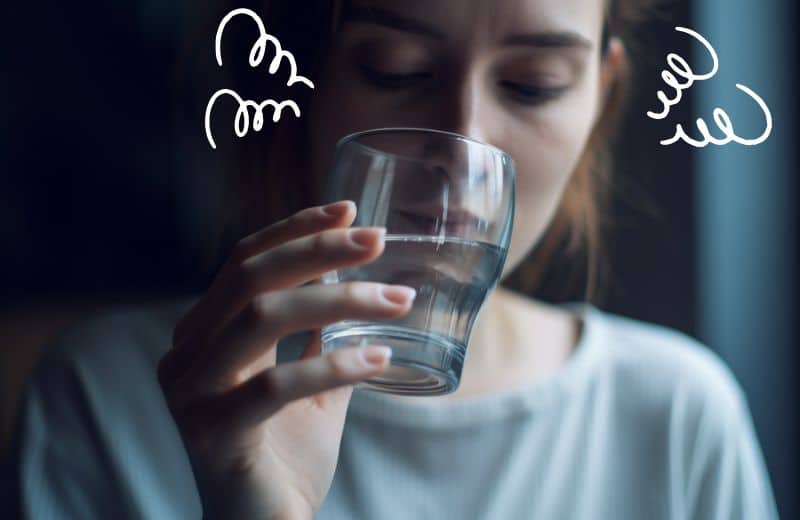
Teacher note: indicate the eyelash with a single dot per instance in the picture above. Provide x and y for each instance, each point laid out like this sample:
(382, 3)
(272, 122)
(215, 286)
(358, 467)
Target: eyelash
(391, 81)
(530, 94)
(526, 94)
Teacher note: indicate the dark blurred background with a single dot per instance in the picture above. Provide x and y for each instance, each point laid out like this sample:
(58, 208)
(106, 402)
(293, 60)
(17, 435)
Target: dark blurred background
(99, 207)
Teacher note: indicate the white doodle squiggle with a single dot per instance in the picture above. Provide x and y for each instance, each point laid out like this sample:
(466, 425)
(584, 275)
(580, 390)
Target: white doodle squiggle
(723, 121)
(242, 123)
(679, 65)
(259, 48)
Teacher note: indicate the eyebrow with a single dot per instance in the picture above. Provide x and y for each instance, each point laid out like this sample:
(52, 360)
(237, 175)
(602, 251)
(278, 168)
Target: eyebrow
(392, 20)
(552, 39)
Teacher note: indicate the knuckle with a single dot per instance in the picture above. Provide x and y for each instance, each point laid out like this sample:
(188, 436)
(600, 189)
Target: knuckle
(258, 311)
(241, 278)
(356, 292)
(350, 291)
(339, 365)
(318, 245)
(270, 385)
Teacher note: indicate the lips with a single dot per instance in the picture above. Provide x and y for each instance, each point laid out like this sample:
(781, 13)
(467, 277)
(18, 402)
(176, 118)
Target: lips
(462, 217)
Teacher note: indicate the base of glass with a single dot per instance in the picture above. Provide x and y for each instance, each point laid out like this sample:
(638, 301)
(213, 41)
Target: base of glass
(421, 364)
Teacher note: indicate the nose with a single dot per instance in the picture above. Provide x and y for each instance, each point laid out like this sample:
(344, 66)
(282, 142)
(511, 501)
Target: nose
(454, 170)
(461, 107)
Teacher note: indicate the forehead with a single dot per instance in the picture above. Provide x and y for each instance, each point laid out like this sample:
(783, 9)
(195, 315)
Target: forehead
(495, 19)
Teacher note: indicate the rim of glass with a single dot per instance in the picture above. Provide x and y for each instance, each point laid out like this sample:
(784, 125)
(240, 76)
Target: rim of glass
(353, 137)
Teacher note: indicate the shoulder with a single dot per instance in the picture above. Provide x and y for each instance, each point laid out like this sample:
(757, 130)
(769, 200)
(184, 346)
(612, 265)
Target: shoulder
(96, 362)
(681, 395)
(93, 417)
(682, 398)
(665, 371)
(123, 336)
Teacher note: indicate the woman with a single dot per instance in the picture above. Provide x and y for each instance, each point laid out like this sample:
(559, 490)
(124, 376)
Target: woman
(563, 411)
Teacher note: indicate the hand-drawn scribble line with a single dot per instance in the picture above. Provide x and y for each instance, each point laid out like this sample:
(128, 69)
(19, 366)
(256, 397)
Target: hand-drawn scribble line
(681, 67)
(259, 48)
(724, 123)
(241, 124)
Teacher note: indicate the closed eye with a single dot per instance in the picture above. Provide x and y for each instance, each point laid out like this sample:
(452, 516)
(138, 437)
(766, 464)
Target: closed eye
(531, 94)
(391, 80)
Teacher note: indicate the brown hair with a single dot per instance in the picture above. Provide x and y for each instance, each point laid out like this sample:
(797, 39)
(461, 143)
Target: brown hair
(262, 185)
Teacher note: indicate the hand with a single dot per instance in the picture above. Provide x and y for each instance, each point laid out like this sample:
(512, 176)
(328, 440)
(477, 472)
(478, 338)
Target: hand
(263, 439)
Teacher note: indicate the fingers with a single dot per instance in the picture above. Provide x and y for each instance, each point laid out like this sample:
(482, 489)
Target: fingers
(285, 266)
(209, 314)
(267, 392)
(304, 259)
(271, 316)
(305, 222)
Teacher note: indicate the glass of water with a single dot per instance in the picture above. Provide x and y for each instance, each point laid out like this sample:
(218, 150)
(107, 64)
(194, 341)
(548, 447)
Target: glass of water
(447, 203)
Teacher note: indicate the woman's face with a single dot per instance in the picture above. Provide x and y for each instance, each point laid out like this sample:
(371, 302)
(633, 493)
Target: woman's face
(523, 75)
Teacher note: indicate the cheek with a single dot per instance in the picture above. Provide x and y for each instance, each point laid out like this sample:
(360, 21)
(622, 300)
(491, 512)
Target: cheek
(546, 149)
(337, 110)
(548, 154)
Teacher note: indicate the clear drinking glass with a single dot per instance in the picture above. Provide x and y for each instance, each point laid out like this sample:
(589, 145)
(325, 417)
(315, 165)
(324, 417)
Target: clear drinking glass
(447, 203)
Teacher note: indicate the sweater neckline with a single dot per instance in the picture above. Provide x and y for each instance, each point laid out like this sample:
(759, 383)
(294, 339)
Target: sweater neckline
(490, 408)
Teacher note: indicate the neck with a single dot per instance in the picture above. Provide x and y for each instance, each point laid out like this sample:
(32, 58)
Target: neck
(515, 341)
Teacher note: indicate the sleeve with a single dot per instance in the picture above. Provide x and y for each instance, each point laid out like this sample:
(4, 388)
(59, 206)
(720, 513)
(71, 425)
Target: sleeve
(727, 477)
(94, 437)
(58, 466)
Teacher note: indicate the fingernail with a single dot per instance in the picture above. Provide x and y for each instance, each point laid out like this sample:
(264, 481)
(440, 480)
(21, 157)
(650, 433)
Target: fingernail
(398, 294)
(376, 355)
(337, 209)
(365, 237)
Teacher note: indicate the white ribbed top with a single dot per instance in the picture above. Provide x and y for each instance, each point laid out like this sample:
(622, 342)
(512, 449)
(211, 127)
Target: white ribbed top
(415, 412)
(640, 422)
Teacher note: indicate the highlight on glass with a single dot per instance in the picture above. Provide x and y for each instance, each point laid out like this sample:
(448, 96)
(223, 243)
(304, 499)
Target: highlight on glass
(447, 203)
